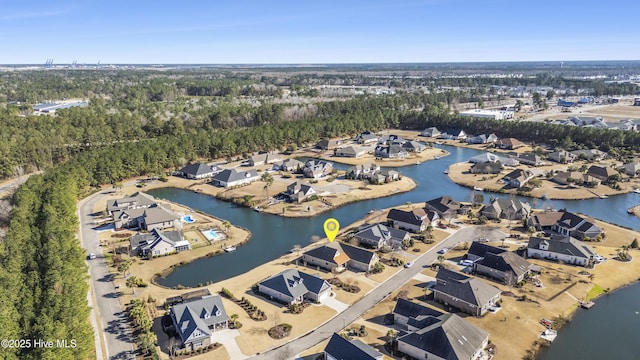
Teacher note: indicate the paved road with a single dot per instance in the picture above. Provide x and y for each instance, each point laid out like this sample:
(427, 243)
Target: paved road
(112, 318)
(355, 311)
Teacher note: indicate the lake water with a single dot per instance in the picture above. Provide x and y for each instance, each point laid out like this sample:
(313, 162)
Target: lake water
(273, 236)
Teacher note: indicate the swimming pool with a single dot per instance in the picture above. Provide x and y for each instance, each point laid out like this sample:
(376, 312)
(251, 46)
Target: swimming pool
(188, 219)
(212, 235)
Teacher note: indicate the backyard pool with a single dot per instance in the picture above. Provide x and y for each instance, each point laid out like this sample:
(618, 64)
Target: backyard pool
(188, 219)
(212, 235)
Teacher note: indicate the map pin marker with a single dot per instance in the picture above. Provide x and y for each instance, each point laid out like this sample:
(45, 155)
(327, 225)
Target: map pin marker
(331, 228)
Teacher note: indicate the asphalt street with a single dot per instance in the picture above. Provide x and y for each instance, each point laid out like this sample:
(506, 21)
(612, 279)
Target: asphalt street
(356, 310)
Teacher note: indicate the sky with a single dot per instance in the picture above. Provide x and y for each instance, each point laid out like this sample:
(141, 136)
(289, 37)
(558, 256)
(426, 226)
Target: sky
(316, 32)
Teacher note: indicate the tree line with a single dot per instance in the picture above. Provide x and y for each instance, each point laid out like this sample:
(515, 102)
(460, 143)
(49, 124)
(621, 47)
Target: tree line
(43, 274)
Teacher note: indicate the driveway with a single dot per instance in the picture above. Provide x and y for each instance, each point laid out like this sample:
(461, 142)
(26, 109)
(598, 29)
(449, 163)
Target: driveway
(335, 304)
(228, 339)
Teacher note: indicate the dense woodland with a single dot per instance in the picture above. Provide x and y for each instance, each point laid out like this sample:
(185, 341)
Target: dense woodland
(145, 122)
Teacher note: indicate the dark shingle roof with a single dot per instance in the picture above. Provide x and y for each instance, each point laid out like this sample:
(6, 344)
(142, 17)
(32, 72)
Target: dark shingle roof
(358, 254)
(198, 169)
(450, 338)
(410, 309)
(563, 245)
(479, 249)
(342, 349)
(469, 289)
(294, 283)
(506, 262)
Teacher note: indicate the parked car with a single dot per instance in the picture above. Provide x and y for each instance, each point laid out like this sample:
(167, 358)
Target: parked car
(91, 256)
(443, 251)
(466, 263)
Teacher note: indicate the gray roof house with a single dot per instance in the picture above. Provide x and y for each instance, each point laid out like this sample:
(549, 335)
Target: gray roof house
(509, 144)
(631, 169)
(561, 248)
(391, 152)
(446, 206)
(233, 177)
(195, 321)
(518, 178)
(478, 250)
(359, 259)
(264, 158)
(430, 132)
(379, 235)
(446, 337)
(299, 191)
(366, 137)
(493, 158)
(149, 218)
(409, 314)
(349, 152)
(293, 287)
(482, 139)
(574, 225)
(602, 173)
(529, 158)
(158, 243)
(329, 257)
(199, 171)
(328, 144)
(511, 209)
(414, 146)
(453, 134)
(466, 293)
(591, 154)
(340, 348)
(362, 171)
(134, 201)
(317, 168)
(415, 221)
(290, 165)
(507, 267)
(486, 168)
(562, 157)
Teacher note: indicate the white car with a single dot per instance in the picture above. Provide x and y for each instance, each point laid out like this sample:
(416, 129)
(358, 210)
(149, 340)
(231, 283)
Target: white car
(408, 265)
(466, 263)
(91, 256)
(443, 251)
(599, 258)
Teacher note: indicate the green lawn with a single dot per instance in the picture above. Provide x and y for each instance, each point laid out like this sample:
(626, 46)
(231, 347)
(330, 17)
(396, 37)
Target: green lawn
(595, 291)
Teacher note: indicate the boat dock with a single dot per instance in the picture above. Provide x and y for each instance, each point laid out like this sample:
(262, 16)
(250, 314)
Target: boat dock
(587, 304)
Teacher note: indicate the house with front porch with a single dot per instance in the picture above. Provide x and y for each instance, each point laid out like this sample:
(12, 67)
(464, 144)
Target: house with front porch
(416, 220)
(148, 218)
(134, 201)
(349, 152)
(196, 321)
(359, 259)
(317, 169)
(506, 267)
(561, 248)
(510, 209)
(361, 171)
(233, 177)
(158, 243)
(298, 191)
(518, 178)
(198, 171)
(293, 287)
(468, 294)
(329, 257)
(379, 235)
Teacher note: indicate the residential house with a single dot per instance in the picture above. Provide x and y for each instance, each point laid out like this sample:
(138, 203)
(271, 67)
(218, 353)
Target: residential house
(447, 336)
(391, 152)
(379, 235)
(430, 132)
(290, 165)
(233, 177)
(158, 243)
(529, 158)
(463, 292)
(479, 250)
(316, 169)
(544, 221)
(482, 139)
(329, 257)
(562, 157)
(407, 313)
(623, 125)
(446, 207)
(415, 221)
(361, 171)
(414, 146)
(197, 320)
(506, 267)
(359, 259)
(264, 158)
(389, 175)
(590, 155)
(293, 287)
(509, 144)
(486, 168)
(390, 139)
(454, 134)
(366, 137)
(602, 173)
(149, 218)
(589, 121)
(340, 348)
(511, 209)
(561, 248)
(349, 152)
(493, 158)
(631, 169)
(134, 201)
(198, 171)
(518, 178)
(573, 177)
(328, 144)
(576, 226)
(299, 191)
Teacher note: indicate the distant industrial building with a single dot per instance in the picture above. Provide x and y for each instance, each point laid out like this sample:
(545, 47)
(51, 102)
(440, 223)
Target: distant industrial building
(488, 114)
(51, 108)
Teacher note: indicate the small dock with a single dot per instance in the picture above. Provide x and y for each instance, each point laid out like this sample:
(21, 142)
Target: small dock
(587, 304)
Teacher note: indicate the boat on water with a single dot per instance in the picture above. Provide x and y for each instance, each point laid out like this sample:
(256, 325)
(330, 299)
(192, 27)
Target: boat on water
(437, 157)
(637, 191)
(446, 171)
(604, 196)
(630, 210)
(478, 188)
(230, 249)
